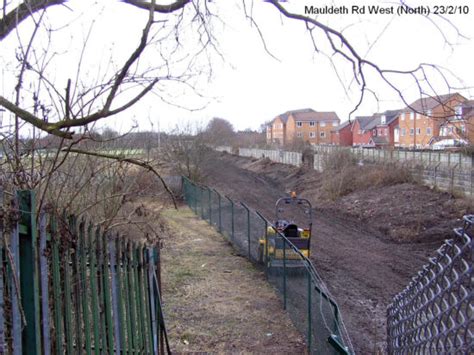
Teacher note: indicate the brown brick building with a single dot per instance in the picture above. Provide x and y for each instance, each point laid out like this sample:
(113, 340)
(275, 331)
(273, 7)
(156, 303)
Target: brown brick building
(306, 125)
(420, 123)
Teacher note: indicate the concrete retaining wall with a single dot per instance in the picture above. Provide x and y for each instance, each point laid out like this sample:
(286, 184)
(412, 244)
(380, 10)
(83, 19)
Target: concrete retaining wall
(447, 171)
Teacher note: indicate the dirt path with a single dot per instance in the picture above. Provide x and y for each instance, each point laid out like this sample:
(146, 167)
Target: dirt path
(362, 270)
(216, 301)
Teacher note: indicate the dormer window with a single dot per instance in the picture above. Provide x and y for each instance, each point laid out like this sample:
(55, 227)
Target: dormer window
(458, 111)
(383, 119)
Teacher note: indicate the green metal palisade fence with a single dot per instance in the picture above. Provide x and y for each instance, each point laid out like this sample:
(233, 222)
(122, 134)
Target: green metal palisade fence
(67, 287)
(304, 294)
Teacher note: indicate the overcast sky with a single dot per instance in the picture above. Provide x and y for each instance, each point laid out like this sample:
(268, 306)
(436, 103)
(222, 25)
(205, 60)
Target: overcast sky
(248, 86)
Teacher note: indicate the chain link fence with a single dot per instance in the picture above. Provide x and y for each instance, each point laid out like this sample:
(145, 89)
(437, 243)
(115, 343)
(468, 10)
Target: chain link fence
(303, 293)
(435, 313)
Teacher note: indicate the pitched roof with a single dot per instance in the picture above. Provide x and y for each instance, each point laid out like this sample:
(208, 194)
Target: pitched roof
(364, 122)
(342, 125)
(308, 114)
(429, 103)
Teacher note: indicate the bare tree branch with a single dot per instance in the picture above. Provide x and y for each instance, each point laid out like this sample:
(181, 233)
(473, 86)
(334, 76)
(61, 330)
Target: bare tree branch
(26, 9)
(133, 161)
(164, 9)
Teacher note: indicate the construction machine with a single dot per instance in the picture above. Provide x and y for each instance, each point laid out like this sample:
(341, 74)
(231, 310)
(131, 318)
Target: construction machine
(294, 222)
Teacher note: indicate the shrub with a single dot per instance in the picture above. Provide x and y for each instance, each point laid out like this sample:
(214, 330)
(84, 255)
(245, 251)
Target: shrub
(338, 160)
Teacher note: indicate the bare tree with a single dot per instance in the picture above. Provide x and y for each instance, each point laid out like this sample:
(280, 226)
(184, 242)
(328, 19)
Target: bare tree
(185, 150)
(75, 110)
(219, 132)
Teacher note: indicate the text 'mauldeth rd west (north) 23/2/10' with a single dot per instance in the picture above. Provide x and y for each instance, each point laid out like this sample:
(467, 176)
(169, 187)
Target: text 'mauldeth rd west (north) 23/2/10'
(386, 10)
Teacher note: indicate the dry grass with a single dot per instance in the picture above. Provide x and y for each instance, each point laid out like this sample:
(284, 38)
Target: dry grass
(215, 301)
(343, 175)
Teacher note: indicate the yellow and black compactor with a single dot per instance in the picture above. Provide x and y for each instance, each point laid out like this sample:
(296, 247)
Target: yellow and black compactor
(292, 229)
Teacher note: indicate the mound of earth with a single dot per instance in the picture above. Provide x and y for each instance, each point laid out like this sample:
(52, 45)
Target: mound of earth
(405, 213)
(366, 245)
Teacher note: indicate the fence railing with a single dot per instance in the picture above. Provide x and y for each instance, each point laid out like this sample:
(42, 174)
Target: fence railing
(303, 293)
(67, 287)
(435, 313)
(453, 172)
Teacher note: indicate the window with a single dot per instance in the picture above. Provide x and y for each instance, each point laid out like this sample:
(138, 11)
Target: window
(412, 131)
(402, 116)
(299, 124)
(281, 125)
(322, 134)
(418, 131)
(428, 113)
(275, 125)
(383, 119)
(412, 116)
(462, 128)
(458, 111)
(323, 124)
(404, 131)
(374, 132)
(312, 134)
(428, 131)
(380, 132)
(385, 131)
(418, 116)
(335, 124)
(312, 123)
(299, 134)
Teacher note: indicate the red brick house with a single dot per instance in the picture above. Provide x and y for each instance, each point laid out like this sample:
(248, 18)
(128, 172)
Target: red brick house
(342, 135)
(421, 122)
(460, 126)
(362, 130)
(385, 132)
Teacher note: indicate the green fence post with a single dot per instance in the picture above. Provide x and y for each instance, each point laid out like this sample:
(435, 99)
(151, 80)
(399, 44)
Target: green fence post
(107, 296)
(29, 283)
(68, 325)
(120, 294)
(77, 292)
(84, 271)
(201, 193)
(248, 227)
(284, 274)
(92, 241)
(210, 205)
(232, 217)
(220, 211)
(194, 198)
(266, 249)
(310, 330)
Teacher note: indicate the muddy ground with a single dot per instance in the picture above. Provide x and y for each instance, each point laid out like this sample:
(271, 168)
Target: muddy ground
(367, 245)
(215, 301)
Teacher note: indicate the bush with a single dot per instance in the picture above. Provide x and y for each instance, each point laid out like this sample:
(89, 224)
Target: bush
(342, 175)
(338, 160)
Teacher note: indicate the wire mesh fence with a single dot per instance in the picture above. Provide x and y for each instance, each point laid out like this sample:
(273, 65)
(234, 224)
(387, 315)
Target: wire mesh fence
(303, 293)
(435, 313)
(68, 287)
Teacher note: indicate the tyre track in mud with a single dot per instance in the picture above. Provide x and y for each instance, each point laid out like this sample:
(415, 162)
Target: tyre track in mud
(362, 270)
